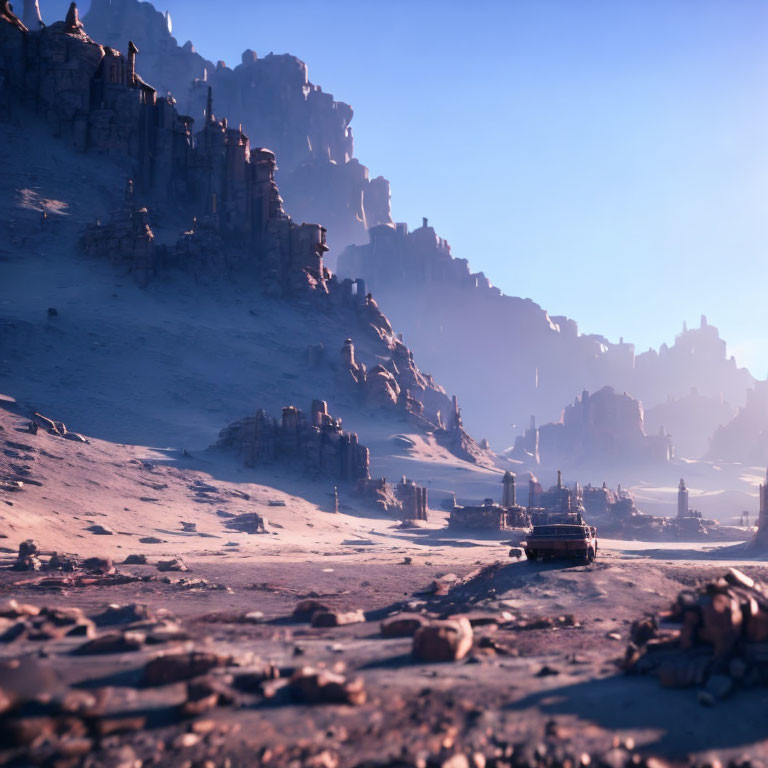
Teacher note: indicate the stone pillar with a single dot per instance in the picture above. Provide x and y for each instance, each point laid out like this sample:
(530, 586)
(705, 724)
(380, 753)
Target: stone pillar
(348, 354)
(508, 498)
(762, 520)
(682, 499)
(132, 51)
(33, 21)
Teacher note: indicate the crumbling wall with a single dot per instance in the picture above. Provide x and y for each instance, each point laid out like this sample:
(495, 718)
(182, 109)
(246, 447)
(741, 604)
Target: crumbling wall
(318, 443)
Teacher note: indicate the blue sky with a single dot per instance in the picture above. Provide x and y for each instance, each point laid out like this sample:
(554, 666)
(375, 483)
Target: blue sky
(607, 158)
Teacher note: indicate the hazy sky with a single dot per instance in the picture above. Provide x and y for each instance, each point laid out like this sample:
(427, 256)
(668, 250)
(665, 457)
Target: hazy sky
(607, 158)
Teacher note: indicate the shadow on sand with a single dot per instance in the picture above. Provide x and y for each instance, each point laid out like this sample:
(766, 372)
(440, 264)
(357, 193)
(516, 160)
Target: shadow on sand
(681, 725)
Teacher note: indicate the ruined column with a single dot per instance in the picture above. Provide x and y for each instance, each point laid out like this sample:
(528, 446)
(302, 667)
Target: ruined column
(682, 499)
(132, 51)
(508, 498)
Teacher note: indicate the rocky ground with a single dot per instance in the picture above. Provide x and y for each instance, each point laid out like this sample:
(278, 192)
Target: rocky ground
(162, 634)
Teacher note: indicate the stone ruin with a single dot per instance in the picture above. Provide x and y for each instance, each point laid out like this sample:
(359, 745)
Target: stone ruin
(397, 384)
(489, 516)
(406, 499)
(274, 100)
(604, 426)
(93, 96)
(319, 444)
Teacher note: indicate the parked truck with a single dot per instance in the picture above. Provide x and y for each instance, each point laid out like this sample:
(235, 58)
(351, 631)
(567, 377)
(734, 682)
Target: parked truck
(577, 541)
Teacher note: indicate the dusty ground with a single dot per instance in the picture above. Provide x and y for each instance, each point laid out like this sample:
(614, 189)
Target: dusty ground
(556, 686)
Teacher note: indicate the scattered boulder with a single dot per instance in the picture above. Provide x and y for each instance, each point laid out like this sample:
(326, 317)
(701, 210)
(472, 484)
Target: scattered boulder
(27, 559)
(100, 530)
(121, 614)
(101, 565)
(402, 625)
(152, 540)
(135, 560)
(176, 564)
(189, 527)
(320, 686)
(249, 522)
(448, 640)
(116, 642)
(336, 618)
(178, 667)
(306, 609)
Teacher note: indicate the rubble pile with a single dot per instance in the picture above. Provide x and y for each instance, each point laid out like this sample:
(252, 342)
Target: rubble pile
(715, 637)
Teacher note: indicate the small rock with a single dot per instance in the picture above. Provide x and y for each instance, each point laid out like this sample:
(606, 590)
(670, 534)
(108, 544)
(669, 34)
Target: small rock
(151, 540)
(448, 640)
(135, 560)
(176, 564)
(307, 608)
(121, 614)
(100, 565)
(337, 618)
(324, 687)
(402, 625)
(100, 530)
(116, 642)
(177, 667)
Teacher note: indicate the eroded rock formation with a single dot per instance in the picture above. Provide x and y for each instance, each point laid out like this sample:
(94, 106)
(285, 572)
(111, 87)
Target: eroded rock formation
(461, 326)
(745, 437)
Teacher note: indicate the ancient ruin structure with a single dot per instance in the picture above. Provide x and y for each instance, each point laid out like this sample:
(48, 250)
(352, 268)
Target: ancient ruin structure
(278, 107)
(455, 321)
(406, 500)
(413, 499)
(682, 500)
(93, 96)
(605, 427)
(489, 516)
(558, 504)
(318, 442)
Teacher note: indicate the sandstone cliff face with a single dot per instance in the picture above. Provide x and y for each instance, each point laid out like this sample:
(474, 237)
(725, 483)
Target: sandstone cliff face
(602, 427)
(506, 357)
(277, 106)
(691, 420)
(745, 437)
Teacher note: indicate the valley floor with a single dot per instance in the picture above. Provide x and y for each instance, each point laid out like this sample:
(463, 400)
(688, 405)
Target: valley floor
(542, 675)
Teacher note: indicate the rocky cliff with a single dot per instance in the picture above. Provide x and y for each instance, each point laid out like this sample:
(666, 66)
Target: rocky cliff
(273, 100)
(90, 142)
(506, 357)
(603, 428)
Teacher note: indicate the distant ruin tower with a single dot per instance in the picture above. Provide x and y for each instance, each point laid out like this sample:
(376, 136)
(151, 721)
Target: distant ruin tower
(508, 498)
(33, 21)
(455, 423)
(559, 479)
(209, 106)
(532, 491)
(348, 354)
(132, 51)
(762, 520)
(682, 499)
